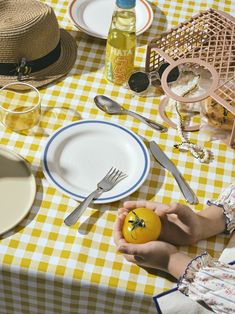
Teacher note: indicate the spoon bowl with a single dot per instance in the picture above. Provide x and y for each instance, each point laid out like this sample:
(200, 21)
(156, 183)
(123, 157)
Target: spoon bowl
(108, 105)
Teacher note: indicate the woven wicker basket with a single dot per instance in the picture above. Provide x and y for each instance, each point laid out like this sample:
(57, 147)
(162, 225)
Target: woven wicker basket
(210, 37)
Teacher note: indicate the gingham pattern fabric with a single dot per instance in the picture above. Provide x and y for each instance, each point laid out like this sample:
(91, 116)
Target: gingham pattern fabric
(47, 267)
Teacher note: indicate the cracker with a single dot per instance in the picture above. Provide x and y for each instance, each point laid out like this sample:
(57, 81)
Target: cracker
(218, 116)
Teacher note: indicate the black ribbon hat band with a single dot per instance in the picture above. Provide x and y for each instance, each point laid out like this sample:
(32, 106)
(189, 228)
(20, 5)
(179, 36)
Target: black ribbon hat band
(25, 67)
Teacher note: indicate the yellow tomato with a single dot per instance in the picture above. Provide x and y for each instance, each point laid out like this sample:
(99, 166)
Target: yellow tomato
(141, 225)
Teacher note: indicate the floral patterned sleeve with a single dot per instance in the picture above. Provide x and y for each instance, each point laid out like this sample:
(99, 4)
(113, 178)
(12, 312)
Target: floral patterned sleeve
(226, 200)
(210, 281)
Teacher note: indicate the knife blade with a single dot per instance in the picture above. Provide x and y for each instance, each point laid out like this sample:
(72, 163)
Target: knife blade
(166, 163)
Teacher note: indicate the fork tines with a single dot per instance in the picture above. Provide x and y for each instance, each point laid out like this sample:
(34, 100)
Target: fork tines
(116, 175)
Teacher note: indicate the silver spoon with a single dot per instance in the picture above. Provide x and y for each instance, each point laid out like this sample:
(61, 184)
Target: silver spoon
(110, 106)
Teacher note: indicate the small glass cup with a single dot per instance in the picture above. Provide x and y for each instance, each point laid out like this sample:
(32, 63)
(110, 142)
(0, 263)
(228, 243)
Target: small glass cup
(20, 106)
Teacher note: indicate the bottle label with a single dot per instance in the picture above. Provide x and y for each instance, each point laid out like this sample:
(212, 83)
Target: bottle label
(119, 64)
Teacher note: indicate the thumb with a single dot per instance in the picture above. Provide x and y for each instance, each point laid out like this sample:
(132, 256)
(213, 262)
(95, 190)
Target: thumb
(131, 249)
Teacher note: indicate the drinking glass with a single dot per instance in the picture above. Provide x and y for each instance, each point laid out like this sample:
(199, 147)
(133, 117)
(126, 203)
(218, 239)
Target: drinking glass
(20, 106)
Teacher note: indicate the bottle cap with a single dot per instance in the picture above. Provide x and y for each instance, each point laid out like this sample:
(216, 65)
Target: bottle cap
(125, 4)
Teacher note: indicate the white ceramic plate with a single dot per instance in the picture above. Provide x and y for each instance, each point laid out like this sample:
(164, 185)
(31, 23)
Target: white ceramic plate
(17, 189)
(94, 16)
(77, 156)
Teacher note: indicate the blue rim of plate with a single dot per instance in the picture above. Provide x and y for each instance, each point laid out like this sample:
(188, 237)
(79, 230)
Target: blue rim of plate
(87, 31)
(100, 199)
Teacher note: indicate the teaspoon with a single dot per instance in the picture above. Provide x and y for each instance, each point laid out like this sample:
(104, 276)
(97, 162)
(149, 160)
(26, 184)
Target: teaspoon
(112, 107)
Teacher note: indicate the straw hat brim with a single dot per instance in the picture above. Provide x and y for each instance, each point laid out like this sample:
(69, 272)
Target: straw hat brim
(56, 70)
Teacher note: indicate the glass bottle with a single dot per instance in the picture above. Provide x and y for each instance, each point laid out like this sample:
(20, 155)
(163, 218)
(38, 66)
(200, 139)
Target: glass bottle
(121, 43)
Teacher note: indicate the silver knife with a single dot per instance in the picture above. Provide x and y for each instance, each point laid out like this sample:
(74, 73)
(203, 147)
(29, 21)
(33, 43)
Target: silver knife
(165, 162)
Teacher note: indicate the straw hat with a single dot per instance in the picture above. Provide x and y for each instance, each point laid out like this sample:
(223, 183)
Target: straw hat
(32, 47)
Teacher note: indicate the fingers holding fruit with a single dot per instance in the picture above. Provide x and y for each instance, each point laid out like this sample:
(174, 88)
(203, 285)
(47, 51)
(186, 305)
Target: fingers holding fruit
(133, 253)
(141, 225)
(130, 205)
(135, 235)
(118, 236)
(154, 254)
(159, 208)
(180, 225)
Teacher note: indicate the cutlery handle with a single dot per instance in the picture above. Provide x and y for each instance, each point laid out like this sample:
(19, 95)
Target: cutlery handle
(72, 218)
(149, 122)
(185, 188)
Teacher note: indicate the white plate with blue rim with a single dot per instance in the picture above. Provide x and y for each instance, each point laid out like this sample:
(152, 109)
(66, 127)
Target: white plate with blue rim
(77, 156)
(93, 17)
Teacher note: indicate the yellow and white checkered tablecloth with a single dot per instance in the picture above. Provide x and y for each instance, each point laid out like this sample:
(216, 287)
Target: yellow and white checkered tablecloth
(47, 267)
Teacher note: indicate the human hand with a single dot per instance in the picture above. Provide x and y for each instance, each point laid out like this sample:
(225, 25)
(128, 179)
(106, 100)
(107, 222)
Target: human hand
(154, 254)
(180, 224)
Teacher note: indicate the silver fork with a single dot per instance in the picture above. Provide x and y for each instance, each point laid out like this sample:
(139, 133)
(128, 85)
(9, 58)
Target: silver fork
(113, 177)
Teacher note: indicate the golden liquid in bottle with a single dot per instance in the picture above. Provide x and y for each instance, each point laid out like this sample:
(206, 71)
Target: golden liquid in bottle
(121, 45)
